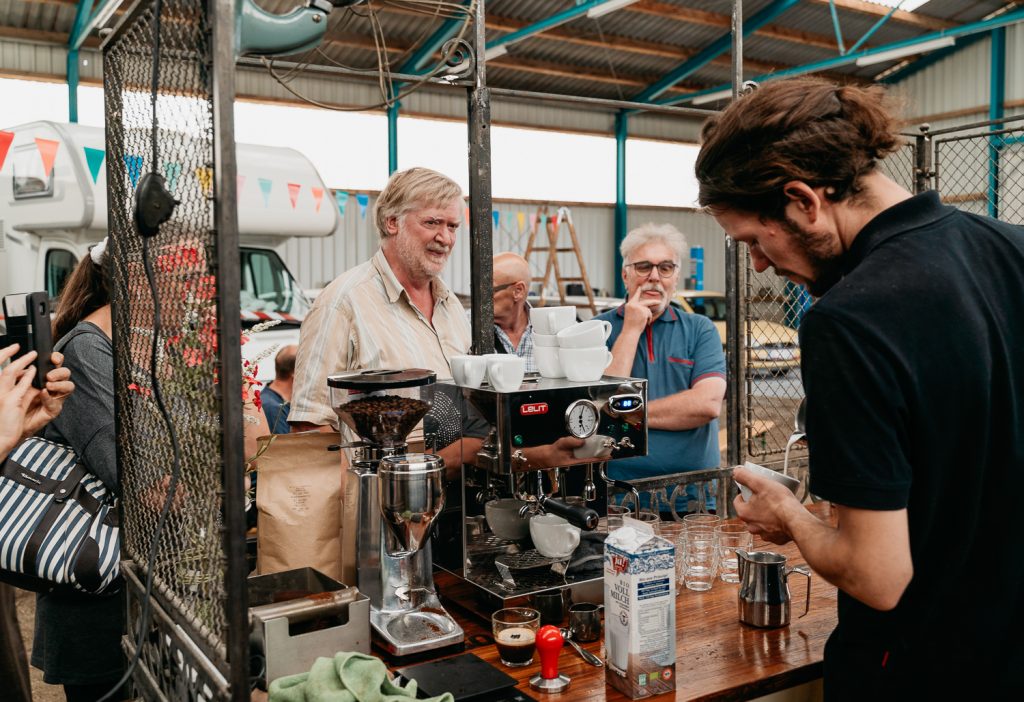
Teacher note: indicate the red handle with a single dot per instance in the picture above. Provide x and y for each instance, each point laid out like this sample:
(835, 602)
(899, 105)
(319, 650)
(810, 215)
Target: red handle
(549, 646)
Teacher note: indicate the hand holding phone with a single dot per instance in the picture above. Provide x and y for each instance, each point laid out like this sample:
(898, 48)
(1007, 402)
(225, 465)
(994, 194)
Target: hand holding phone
(27, 316)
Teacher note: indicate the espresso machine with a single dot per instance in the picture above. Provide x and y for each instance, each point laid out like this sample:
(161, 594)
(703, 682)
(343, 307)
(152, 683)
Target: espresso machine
(530, 448)
(391, 498)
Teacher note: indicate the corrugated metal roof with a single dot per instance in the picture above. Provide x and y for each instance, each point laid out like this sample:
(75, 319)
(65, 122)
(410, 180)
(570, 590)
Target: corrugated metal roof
(617, 55)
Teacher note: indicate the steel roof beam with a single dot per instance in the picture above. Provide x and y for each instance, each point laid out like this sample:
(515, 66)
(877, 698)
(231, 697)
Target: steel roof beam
(97, 19)
(965, 30)
(714, 50)
(566, 15)
(448, 29)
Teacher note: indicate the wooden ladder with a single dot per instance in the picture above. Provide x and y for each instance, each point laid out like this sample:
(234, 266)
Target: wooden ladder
(553, 225)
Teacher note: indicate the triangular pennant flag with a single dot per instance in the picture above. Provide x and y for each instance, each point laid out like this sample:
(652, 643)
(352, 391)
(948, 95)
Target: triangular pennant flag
(466, 220)
(543, 222)
(5, 143)
(521, 220)
(497, 219)
(133, 163)
(266, 185)
(363, 199)
(94, 158)
(293, 193)
(48, 152)
(239, 184)
(533, 220)
(171, 172)
(205, 176)
(318, 195)
(341, 197)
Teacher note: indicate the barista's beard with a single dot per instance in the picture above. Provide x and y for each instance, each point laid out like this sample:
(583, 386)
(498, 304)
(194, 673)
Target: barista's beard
(822, 257)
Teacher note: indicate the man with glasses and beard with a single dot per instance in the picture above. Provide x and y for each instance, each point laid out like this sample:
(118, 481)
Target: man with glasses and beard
(680, 354)
(393, 311)
(913, 366)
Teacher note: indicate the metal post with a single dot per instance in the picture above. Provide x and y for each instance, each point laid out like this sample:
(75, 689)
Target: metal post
(923, 173)
(72, 71)
(481, 263)
(997, 97)
(222, 21)
(393, 138)
(621, 133)
(734, 262)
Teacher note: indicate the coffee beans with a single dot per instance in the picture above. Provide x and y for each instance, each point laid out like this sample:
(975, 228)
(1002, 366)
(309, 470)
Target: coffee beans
(383, 419)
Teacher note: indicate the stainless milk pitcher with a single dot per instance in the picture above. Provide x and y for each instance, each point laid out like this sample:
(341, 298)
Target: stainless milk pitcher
(764, 590)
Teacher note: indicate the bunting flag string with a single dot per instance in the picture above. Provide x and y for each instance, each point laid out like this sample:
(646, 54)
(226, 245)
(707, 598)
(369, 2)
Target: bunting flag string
(497, 219)
(341, 197)
(94, 159)
(171, 172)
(205, 176)
(133, 162)
(533, 220)
(48, 152)
(521, 220)
(318, 195)
(5, 143)
(293, 193)
(363, 199)
(465, 219)
(266, 185)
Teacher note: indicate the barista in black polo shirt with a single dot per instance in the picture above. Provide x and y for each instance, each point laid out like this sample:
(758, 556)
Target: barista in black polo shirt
(913, 366)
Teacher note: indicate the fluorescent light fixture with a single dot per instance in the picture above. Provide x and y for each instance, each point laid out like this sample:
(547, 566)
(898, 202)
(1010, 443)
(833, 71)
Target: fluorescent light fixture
(905, 5)
(910, 50)
(495, 52)
(712, 97)
(606, 7)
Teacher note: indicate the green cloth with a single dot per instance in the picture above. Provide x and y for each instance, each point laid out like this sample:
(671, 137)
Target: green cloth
(348, 677)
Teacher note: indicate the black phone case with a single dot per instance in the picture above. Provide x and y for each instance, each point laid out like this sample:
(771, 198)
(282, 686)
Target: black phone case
(32, 332)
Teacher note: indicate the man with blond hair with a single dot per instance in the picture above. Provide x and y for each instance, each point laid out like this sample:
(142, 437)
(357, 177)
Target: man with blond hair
(393, 311)
(680, 354)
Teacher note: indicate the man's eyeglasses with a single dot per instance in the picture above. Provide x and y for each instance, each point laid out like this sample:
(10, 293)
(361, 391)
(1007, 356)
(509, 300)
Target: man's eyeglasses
(665, 268)
(504, 286)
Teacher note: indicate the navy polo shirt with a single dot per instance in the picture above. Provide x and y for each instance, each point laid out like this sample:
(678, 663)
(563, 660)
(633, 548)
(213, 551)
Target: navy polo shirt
(675, 352)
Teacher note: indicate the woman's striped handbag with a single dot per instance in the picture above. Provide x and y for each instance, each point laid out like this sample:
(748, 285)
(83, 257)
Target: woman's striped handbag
(58, 523)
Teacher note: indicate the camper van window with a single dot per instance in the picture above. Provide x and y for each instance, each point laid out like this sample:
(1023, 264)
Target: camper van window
(29, 179)
(59, 264)
(267, 286)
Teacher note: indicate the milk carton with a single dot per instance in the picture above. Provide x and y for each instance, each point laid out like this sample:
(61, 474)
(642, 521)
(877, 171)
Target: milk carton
(639, 612)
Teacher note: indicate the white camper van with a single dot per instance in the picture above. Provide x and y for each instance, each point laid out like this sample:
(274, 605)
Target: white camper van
(53, 206)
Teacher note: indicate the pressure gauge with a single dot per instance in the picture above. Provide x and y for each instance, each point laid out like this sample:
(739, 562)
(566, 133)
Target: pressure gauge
(581, 419)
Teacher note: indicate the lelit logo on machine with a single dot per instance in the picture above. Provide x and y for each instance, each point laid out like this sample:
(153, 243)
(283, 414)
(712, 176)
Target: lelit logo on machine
(533, 408)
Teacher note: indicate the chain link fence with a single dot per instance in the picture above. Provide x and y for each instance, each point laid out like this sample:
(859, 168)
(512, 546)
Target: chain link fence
(177, 310)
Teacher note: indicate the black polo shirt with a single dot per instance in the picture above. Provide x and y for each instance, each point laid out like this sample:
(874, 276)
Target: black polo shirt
(913, 365)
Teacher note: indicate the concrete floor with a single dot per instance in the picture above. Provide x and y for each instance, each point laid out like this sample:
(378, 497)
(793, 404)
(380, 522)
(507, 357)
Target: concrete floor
(26, 605)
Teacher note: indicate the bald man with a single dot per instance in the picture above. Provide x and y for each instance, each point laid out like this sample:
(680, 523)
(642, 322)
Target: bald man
(512, 330)
(277, 396)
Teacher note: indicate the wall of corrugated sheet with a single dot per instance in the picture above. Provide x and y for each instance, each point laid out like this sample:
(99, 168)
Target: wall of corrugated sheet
(315, 262)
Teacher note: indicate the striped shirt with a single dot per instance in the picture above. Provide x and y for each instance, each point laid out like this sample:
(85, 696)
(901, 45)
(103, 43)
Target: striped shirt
(525, 348)
(365, 320)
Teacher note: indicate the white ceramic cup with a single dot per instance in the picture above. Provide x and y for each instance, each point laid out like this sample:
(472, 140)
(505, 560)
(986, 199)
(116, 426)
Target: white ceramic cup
(551, 320)
(593, 332)
(546, 358)
(547, 340)
(585, 365)
(593, 447)
(505, 371)
(468, 371)
(553, 536)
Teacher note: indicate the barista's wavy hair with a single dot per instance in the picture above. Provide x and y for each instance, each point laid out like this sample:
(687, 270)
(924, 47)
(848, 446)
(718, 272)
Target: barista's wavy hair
(804, 129)
(85, 291)
(410, 189)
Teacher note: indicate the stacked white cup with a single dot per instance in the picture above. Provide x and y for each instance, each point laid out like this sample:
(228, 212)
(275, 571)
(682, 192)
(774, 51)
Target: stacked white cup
(503, 371)
(547, 323)
(582, 350)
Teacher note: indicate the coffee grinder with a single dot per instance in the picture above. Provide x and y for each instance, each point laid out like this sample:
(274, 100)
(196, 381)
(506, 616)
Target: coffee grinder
(391, 500)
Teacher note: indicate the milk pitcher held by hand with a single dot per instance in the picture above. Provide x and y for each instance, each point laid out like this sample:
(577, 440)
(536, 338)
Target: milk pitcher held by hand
(764, 590)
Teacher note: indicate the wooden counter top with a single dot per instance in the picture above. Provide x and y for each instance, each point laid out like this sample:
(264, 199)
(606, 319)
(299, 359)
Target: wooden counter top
(717, 657)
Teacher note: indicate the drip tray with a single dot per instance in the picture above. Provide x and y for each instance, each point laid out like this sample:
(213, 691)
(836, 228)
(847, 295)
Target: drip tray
(420, 626)
(517, 568)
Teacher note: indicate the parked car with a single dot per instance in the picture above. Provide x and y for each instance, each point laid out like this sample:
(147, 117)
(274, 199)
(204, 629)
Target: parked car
(773, 347)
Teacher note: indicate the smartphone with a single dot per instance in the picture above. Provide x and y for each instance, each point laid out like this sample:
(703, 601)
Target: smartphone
(27, 316)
